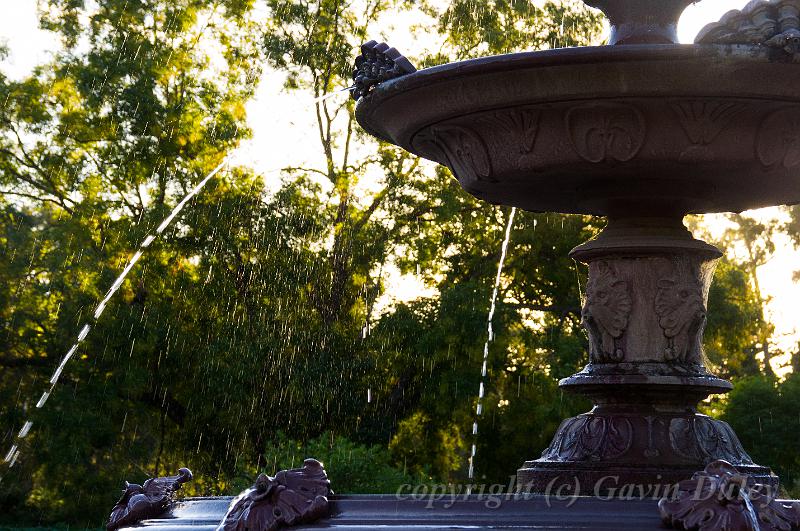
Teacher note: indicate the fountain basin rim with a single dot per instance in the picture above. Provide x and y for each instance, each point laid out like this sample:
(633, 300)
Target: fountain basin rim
(545, 58)
(516, 129)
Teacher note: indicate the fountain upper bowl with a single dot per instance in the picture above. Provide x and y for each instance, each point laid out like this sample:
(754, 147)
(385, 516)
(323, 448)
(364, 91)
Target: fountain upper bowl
(609, 130)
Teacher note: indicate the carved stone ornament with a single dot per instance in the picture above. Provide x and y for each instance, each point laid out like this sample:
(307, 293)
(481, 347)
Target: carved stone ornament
(704, 439)
(605, 313)
(719, 499)
(461, 149)
(703, 121)
(296, 496)
(377, 64)
(522, 128)
(778, 141)
(606, 132)
(772, 23)
(682, 316)
(591, 438)
(139, 502)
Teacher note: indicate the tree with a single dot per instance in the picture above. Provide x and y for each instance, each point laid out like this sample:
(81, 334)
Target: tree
(95, 149)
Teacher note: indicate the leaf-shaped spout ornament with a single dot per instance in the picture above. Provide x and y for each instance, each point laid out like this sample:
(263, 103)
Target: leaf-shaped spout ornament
(139, 502)
(771, 23)
(296, 496)
(720, 498)
(377, 64)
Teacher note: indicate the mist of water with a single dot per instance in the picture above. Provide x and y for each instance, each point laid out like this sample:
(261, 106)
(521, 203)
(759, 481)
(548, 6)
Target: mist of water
(12, 455)
(489, 339)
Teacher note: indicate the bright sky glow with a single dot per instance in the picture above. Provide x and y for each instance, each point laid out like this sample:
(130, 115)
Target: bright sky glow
(285, 121)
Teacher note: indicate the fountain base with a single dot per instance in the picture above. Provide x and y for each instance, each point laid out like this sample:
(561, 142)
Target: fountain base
(644, 312)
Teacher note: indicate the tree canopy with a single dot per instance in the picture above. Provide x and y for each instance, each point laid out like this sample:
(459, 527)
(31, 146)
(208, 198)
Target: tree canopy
(259, 327)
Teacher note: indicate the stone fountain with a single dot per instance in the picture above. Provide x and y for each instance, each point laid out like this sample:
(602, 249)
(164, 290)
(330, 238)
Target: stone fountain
(643, 131)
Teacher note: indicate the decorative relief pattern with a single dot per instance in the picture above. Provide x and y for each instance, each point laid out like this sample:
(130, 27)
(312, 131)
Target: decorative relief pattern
(682, 316)
(719, 499)
(150, 500)
(605, 313)
(591, 438)
(292, 497)
(602, 132)
(703, 121)
(651, 450)
(705, 439)
(465, 152)
(522, 126)
(772, 23)
(778, 140)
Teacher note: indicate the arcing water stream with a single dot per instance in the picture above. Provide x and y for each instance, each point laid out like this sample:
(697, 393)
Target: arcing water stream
(13, 453)
(489, 338)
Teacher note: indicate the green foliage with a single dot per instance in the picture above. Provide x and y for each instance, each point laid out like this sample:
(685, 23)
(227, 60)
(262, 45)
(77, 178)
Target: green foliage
(351, 467)
(735, 319)
(764, 415)
(477, 27)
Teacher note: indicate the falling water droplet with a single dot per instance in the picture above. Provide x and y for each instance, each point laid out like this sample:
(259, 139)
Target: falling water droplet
(10, 453)
(43, 399)
(25, 429)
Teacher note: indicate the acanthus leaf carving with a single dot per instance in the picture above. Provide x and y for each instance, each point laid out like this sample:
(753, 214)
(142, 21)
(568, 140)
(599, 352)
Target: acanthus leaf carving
(149, 500)
(706, 439)
(591, 438)
(606, 132)
(682, 315)
(720, 499)
(703, 121)
(778, 140)
(605, 313)
(522, 126)
(292, 497)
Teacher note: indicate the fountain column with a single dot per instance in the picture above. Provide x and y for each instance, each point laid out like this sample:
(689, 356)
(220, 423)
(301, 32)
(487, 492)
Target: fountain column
(644, 313)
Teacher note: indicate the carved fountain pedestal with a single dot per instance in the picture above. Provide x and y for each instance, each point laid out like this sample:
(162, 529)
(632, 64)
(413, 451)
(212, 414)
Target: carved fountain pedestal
(644, 313)
(643, 132)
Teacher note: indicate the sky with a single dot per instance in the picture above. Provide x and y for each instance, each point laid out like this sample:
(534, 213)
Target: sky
(285, 121)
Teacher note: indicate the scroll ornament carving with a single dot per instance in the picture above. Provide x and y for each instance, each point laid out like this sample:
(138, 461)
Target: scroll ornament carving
(703, 121)
(719, 499)
(606, 132)
(461, 149)
(150, 500)
(377, 64)
(771, 23)
(705, 439)
(682, 315)
(605, 313)
(778, 140)
(292, 497)
(591, 438)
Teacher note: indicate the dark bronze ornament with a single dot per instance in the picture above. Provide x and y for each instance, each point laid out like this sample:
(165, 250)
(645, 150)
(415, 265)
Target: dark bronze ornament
(720, 499)
(605, 314)
(296, 496)
(377, 64)
(150, 500)
(772, 23)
